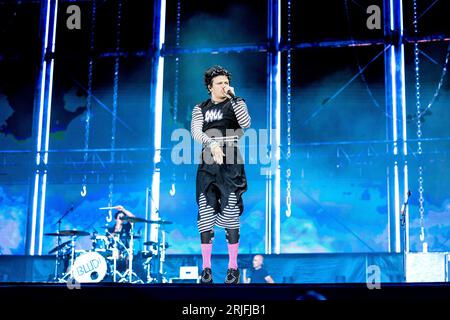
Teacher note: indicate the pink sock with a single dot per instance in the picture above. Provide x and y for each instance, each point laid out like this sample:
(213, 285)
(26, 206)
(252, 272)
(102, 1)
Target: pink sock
(233, 252)
(206, 254)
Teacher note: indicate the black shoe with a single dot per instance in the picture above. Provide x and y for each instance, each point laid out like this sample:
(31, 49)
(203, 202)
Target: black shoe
(233, 276)
(206, 276)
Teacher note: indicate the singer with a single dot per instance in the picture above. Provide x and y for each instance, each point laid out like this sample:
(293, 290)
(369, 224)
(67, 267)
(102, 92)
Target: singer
(217, 124)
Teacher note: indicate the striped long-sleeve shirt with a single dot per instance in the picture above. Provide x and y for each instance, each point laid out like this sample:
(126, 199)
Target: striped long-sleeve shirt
(229, 114)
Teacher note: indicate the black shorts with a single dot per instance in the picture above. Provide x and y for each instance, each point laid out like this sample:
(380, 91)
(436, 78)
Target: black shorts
(219, 194)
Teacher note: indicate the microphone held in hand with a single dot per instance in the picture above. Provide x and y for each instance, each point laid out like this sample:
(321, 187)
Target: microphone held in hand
(231, 94)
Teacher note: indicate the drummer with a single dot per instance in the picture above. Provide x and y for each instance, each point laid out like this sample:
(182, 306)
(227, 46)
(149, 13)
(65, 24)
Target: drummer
(121, 228)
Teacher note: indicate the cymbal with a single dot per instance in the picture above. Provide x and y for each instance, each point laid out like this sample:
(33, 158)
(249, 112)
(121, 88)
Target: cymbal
(134, 237)
(68, 233)
(137, 219)
(57, 248)
(160, 222)
(134, 219)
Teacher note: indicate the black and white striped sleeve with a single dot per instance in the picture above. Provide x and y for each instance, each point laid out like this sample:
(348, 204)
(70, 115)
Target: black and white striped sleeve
(241, 112)
(197, 127)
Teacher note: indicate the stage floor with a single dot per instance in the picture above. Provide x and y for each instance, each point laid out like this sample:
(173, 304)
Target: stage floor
(220, 301)
(223, 292)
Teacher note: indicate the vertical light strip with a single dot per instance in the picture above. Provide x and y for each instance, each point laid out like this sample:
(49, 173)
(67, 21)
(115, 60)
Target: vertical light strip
(43, 78)
(397, 209)
(266, 233)
(277, 186)
(401, 16)
(270, 216)
(394, 77)
(41, 113)
(404, 132)
(155, 203)
(55, 19)
(49, 112)
(33, 218)
(405, 192)
(146, 215)
(47, 20)
(43, 123)
(388, 188)
(279, 22)
(391, 14)
(269, 179)
(158, 110)
(162, 24)
(50, 90)
(396, 103)
(42, 212)
(38, 151)
(156, 178)
(394, 100)
(47, 122)
(402, 72)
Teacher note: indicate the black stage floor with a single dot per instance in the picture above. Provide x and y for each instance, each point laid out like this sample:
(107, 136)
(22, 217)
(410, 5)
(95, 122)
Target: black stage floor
(195, 301)
(222, 292)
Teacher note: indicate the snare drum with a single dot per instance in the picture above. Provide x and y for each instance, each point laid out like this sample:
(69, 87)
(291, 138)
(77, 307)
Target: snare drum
(89, 267)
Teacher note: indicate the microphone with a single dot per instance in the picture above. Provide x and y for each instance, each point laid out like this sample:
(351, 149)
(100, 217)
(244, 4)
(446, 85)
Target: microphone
(231, 94)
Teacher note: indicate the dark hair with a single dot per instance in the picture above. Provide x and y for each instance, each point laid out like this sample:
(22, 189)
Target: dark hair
(214, 72)
(117, 214)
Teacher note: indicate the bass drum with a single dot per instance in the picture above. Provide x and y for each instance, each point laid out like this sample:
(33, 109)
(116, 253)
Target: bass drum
(89, 267)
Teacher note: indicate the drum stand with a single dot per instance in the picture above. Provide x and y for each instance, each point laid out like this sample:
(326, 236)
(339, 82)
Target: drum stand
(69, 275)
(55, 278)
(115, 272)
(162, 258)
(129, 273)
(162, 246)
(58, 255)
(115, 254)
(148, 267)
(58, 259)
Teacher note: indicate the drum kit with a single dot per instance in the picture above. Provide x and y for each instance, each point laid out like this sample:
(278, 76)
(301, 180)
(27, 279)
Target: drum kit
(111, 256)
